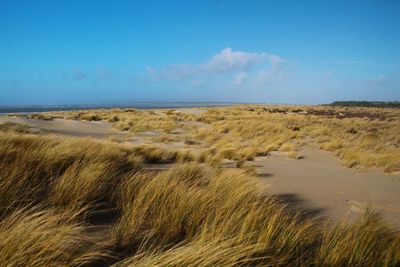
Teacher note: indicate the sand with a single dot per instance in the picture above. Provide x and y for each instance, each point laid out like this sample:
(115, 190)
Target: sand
(323, 183)
(96, 129)
(319, 180)
(191, 111)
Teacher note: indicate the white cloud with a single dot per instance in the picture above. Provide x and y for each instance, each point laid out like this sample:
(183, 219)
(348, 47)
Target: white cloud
(240, 78)
(228, 65)
(228, 60)
(276, 62)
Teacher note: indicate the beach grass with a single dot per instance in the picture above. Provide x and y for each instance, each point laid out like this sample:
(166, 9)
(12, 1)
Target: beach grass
(360, 137)
(79, 202)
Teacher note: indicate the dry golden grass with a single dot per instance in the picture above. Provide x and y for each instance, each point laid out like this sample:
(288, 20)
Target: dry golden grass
(361, 142)
(361, 137)
(46, 237)
(225, 219)
(58, 170)
(14, 127)
(69, 172)
(189, 215)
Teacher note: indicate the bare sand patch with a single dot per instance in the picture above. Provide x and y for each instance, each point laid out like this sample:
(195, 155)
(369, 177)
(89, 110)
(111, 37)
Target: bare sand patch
(96, 129)
(191, 111)
(323, 182)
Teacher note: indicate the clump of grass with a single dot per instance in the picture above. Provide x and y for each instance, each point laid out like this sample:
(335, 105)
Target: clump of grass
(294, 155)
(240, 163)
(14, 127)
(40, 116)
(366, 242)
(85, 183)
(392, 167)
(185, 156)
(154, 154)
(90, 117)
(45, 237)
(332, 145)
(66, 171)
(209, 156)
(288, 147)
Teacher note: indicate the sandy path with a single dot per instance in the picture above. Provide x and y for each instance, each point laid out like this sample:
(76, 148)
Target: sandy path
(96, 129)
(191, 111)
(323, 182)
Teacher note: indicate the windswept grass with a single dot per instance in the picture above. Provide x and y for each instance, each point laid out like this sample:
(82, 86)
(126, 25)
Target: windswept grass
(225, 218)
(46, 237)
(59, 170)
(69, 172)
(189, 215)
(360, 137)
(14, 127)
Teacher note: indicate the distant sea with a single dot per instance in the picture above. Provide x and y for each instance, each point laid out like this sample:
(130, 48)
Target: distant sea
(138, 105)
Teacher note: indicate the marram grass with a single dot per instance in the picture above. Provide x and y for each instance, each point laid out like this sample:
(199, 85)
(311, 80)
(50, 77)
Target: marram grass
(52, 189)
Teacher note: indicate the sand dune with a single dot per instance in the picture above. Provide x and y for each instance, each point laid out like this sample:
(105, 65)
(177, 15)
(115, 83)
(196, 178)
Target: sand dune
(319, 179)
(96, 129)
(325, 184)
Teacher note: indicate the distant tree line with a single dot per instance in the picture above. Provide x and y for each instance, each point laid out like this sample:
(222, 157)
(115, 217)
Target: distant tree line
(379, 104)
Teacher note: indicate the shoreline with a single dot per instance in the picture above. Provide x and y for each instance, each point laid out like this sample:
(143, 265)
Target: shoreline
(135, 105)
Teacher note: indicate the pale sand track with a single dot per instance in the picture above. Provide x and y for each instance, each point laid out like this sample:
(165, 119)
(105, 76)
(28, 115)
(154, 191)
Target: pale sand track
(325, 184)
(75, 128)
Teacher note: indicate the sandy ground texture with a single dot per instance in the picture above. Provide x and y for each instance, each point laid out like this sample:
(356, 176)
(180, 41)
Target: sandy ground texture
(317, 181)
(321, 182)
(96, 129)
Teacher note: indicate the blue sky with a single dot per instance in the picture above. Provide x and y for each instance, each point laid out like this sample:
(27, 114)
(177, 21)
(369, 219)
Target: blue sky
(101, 52)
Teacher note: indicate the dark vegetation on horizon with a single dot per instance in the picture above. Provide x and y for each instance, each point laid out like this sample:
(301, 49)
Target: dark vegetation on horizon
(375, 104)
